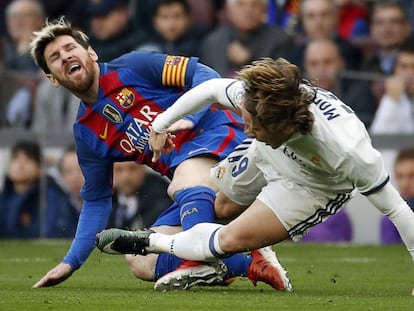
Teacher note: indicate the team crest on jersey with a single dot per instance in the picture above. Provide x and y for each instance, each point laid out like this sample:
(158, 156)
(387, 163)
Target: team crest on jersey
(236, 93)
(125, 98)
(112, 114)
(220, 171)
(173, 60)
(316, 160)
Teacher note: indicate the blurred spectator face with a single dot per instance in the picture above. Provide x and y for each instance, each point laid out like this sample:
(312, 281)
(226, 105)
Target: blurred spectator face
(128, 177)
(323, 62)
(71, 173)
(404, 177)
(171, 21)
(389, 27)
(404, 68)
(23, 169)
(22, 18)
(319, 18)
(246, 15)
(110, 25)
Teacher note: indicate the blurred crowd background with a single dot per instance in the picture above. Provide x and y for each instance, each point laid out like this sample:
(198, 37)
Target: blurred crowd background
(363, 51)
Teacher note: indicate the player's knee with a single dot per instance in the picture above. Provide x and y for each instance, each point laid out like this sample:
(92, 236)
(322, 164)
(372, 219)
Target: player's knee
(225, 209)
(142, 267)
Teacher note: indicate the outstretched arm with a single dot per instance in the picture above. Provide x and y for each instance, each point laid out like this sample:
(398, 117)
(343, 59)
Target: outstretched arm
(389, 202)
(227, 92)
(219, 90)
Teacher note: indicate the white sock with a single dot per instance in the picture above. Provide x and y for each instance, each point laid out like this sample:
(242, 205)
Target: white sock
(192, 244)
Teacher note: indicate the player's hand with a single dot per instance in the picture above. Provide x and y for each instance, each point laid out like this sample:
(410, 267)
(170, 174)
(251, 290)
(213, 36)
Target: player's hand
(237, 53)
(394, 87)
(160, 143)
(55, 276)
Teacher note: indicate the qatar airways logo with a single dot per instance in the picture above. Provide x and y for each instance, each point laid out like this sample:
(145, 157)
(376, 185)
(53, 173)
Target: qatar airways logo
(137, 131)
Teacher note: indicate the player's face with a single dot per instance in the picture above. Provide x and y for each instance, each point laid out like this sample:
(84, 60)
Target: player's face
(404, 176)
(71, 65)
(404, 68)
(254, 129)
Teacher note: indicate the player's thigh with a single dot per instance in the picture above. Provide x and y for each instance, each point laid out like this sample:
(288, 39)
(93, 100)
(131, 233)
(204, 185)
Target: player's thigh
(192, 172)
(143, 267)
(256, 227)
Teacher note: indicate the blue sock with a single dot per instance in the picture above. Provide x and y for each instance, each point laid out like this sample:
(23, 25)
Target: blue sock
(196, 205)
(237, 265)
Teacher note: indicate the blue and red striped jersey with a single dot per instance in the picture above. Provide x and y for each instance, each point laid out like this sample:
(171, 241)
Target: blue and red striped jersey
(133, 90)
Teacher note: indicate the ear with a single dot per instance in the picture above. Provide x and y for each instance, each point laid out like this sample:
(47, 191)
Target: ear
(52, 80)
(92, 54)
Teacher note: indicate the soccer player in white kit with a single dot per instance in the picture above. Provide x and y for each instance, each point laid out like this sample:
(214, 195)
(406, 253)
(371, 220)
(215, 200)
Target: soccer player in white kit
(309, 156)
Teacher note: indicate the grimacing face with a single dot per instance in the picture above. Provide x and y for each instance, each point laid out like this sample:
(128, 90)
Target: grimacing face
(71, 65)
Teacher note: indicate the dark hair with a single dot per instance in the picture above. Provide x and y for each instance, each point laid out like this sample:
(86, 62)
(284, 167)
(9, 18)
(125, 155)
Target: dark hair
(50, 32)
(183, 3)
(404, 154)
(29, 148)
(381, 4)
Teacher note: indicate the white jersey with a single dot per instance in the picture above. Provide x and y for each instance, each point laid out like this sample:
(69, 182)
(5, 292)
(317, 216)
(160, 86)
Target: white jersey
(336, 156)
(310, 176)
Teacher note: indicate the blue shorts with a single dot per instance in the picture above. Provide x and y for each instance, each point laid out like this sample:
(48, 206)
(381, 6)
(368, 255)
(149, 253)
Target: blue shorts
(215, 142)
(170, 217)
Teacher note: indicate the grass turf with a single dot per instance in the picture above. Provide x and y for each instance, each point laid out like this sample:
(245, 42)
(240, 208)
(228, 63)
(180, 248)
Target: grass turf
(325, 277)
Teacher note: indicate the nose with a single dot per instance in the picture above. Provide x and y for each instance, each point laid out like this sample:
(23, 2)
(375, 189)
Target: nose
(65, 55)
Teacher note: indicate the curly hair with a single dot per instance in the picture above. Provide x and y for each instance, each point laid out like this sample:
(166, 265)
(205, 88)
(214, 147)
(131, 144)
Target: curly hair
(275, 97)
(50, 31)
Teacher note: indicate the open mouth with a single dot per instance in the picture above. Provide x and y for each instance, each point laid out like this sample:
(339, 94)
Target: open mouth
(74, 68)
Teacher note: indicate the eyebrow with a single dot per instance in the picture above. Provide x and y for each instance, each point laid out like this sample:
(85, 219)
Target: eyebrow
(56, 52)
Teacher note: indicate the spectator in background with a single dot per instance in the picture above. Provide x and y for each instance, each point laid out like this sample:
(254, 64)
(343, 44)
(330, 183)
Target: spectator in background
(22, 18)
(244, 39)
(175, 33)
(112, 30)
(25, 195)
(320, 21)
(61, 219)
(54, 109)
(139, 196)
(395, 114)
(404, 178)
(325, 66)
(390, 28)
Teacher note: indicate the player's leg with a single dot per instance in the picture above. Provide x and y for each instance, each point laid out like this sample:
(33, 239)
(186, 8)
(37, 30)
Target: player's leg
(153, 266)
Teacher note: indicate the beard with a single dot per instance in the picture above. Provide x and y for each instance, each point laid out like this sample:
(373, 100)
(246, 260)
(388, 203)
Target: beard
(82, 85)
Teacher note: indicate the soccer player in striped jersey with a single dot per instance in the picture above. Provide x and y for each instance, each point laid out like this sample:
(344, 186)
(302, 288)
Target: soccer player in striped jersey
(119, 101)
(309, 156)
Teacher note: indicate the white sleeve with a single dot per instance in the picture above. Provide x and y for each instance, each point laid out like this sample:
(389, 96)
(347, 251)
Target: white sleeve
(392, 116)
(389, 202)
(227, 92)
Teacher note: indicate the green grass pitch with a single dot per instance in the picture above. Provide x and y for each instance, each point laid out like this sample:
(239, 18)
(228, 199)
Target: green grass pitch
(325, 277)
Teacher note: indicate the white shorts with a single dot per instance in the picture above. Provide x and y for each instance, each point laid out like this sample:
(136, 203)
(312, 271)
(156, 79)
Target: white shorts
(297, 207)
